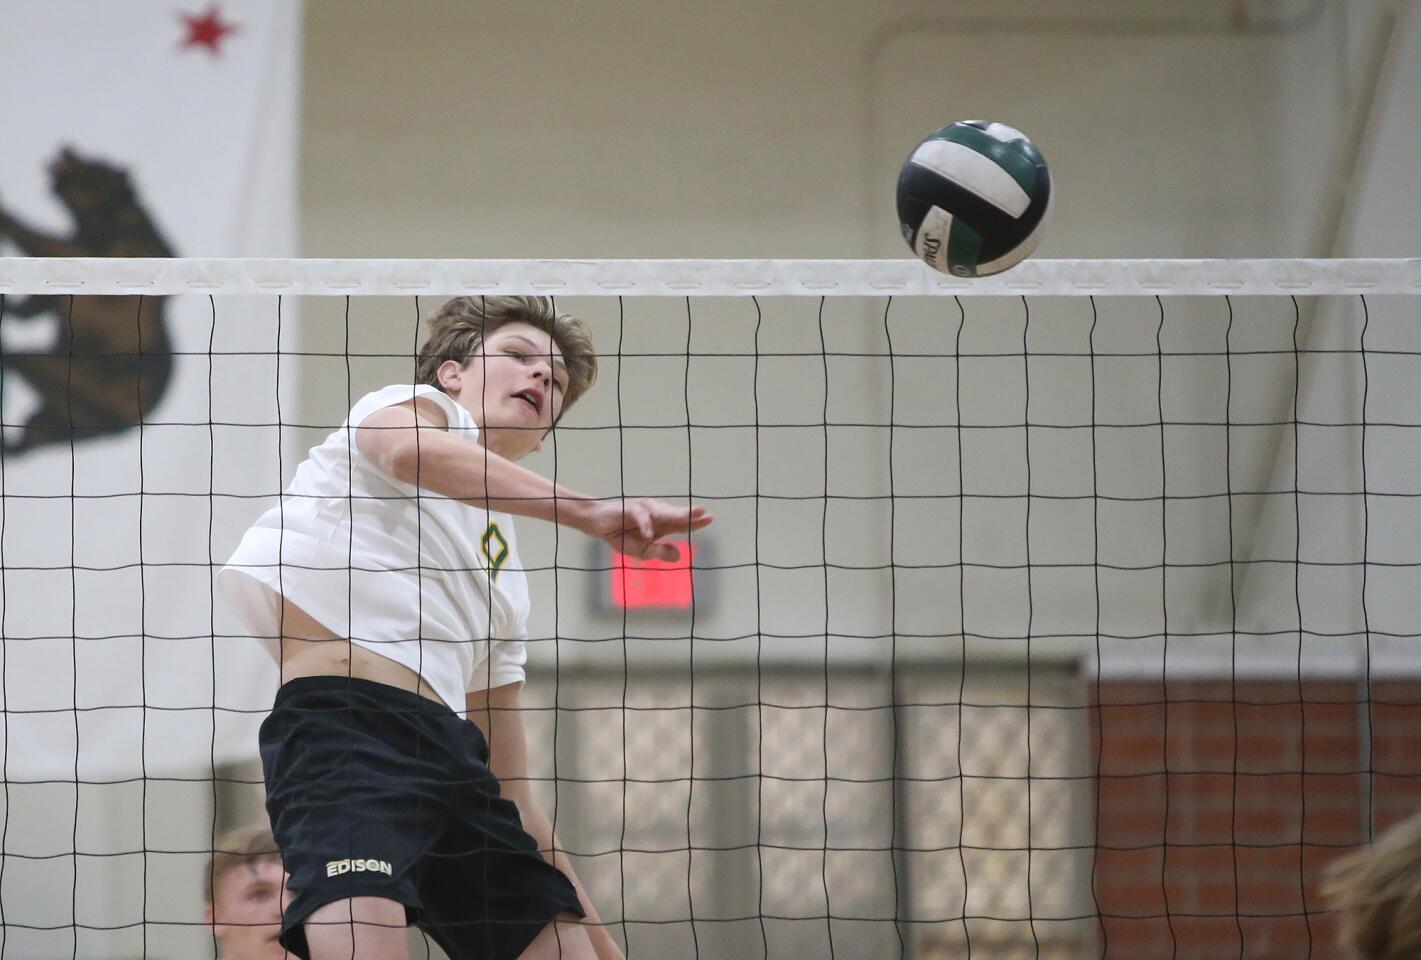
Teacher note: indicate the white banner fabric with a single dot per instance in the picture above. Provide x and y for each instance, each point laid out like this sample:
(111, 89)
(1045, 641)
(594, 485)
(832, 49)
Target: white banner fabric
(136, 444)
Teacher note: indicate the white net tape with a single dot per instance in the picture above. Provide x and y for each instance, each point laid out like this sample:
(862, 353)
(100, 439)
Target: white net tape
(706, 278)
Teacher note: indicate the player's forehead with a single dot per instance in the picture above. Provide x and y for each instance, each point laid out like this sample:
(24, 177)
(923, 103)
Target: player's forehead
(528, 335)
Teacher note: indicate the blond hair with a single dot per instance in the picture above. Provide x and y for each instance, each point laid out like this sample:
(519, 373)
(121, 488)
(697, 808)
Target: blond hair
(458, 330)
(245, 845)
(1377, 894)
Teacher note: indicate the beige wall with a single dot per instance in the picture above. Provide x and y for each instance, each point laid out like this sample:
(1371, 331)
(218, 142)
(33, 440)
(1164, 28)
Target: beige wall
(682, 129)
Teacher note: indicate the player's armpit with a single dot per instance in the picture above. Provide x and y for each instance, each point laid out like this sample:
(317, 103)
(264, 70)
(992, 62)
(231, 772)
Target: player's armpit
(390, 435)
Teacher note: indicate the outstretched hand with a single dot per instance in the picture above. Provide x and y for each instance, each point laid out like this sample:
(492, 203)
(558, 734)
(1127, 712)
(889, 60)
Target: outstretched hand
(638, 527)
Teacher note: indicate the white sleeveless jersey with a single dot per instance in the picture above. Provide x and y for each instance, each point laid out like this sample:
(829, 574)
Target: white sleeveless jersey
(426, 581)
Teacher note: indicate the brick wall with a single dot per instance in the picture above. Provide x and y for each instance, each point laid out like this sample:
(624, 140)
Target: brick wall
(1220, 804)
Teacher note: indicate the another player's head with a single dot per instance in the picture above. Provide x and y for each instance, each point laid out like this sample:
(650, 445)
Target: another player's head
(244, 889)
(514, 363)
(1377, 895)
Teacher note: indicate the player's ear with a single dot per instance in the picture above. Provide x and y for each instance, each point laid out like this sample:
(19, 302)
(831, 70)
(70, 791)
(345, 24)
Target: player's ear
(451, 376)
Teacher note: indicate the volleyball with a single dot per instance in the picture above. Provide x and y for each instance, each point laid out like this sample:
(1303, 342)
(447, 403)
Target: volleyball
(973, 198)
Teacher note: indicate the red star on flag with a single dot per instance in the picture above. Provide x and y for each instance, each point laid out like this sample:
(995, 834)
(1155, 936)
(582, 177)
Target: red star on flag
(207, 30)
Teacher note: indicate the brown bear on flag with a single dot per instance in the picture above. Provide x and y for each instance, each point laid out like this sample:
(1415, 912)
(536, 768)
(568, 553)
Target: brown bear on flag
(111, 360)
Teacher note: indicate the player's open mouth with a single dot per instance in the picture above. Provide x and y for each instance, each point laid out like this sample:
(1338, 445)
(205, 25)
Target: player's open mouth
(532, 398)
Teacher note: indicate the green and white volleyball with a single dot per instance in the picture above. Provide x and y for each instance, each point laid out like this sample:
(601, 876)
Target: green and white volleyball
(973, 198)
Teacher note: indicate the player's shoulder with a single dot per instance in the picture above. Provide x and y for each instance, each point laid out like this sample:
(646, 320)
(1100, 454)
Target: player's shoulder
(430, 401)
(392, 394)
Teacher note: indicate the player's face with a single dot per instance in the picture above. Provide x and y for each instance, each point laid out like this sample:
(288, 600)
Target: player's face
(515, 389)
(246, 911)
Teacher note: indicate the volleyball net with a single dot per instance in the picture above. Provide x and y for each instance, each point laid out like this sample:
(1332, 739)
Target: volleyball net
(1065, 613)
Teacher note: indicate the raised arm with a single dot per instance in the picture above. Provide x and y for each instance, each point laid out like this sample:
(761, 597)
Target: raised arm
(496, 713)
(411, 442)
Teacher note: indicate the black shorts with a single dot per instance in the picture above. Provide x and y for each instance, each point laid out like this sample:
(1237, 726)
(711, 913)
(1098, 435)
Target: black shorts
(377, 792)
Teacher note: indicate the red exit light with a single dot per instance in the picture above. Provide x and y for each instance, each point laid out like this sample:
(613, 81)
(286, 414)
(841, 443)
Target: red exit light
(654, 584)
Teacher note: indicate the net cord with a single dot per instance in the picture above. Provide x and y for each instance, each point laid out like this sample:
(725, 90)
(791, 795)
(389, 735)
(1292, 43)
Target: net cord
(681, 278)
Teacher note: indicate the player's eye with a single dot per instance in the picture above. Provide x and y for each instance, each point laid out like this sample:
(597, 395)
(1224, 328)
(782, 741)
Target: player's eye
(515, 354)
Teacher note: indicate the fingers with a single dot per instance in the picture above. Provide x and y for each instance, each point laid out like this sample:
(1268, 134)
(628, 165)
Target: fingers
(640, 514)
(668, 518)
(646, 521)
(699, 518)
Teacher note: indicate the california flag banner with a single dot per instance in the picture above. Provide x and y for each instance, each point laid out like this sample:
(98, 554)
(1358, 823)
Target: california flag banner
(132, 447)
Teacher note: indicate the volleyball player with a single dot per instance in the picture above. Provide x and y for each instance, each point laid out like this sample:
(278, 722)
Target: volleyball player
(389, 584)
(243, 895)
(1376, 892)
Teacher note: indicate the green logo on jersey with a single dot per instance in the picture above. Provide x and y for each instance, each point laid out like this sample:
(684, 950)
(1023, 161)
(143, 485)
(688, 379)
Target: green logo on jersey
(495, 549)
